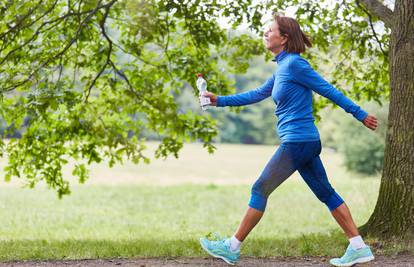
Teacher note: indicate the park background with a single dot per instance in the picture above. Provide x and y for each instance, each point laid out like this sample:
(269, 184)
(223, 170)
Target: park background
(162, 208)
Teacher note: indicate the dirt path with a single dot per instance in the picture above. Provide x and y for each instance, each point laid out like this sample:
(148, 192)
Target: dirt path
(400, 261)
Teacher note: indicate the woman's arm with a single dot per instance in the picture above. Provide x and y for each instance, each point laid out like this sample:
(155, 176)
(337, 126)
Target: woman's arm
(304, 75)
(246, 98)
(307, 77)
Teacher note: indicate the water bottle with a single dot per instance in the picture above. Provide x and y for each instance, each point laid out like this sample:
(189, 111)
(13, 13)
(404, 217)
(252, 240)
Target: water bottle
(202, 88)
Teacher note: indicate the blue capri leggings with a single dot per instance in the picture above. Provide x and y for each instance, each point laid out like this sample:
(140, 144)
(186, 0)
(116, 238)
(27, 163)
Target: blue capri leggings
(289, 157)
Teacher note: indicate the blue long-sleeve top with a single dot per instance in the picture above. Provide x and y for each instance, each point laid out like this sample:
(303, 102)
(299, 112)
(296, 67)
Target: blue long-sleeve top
(291, 87)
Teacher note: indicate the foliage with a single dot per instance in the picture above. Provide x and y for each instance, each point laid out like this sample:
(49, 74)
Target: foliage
(90, 76)
(363, 152)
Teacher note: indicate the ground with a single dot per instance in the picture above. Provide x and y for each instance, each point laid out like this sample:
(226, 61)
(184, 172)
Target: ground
(399, 261)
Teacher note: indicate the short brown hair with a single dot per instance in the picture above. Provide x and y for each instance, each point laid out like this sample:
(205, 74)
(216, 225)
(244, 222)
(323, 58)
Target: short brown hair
(296, 38)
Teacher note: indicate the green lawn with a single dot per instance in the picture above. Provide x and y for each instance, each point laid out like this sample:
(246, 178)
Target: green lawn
(123, 217)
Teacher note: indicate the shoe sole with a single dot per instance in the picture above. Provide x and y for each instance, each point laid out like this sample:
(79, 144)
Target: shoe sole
(359, 260)
(215, 255)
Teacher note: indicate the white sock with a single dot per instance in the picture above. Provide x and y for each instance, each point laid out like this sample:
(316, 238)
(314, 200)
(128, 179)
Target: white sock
(357, 242)
(234, 244)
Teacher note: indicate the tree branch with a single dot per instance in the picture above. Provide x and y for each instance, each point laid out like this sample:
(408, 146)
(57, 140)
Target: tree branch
(56, 21)
(114, 67)
(138, 95)
(378, 9)
(108, 56)
(372, 27)
(73, 40)
(20, 20)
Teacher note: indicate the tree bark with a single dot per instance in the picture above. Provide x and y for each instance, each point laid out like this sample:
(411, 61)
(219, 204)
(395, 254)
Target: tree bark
(379, 10)
(393, 216)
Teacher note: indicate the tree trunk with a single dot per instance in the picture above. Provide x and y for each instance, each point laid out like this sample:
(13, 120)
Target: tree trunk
(393, 216)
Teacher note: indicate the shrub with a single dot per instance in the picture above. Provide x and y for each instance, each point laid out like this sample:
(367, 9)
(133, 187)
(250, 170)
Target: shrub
(362, 148)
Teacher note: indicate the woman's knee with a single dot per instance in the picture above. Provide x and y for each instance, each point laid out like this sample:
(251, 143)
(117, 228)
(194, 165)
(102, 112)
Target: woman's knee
(258, 198)
(263, 186)
(330, 198)
(258, 202)
(257, 187)
(333, 201)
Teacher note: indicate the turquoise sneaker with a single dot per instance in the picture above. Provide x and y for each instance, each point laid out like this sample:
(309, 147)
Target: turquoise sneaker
(220, 249)
(353, 256)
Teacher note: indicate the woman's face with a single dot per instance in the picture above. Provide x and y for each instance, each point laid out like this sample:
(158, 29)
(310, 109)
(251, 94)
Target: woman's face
(273, 40)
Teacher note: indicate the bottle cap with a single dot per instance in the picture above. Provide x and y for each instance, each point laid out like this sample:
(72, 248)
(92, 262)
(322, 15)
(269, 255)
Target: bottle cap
(199, 75)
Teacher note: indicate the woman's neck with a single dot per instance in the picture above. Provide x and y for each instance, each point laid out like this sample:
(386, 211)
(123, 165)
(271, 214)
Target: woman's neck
(277, 51)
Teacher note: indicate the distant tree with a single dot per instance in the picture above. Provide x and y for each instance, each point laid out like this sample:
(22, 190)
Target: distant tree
(363, 151)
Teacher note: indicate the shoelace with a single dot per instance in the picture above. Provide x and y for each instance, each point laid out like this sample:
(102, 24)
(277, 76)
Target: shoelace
(215, 237)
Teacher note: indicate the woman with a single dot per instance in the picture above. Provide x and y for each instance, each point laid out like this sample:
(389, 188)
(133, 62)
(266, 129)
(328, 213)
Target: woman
(291, 88)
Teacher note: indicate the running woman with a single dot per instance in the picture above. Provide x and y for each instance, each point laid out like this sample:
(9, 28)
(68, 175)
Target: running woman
(291, 87)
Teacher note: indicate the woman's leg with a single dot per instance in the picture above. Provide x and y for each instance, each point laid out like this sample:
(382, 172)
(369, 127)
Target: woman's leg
(344, 218)
(280, 167)
(315, 176)
(357, 252)
(277, 170)
(251, 218)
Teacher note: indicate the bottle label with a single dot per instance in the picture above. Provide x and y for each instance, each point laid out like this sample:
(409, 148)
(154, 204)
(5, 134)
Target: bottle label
(204, 101)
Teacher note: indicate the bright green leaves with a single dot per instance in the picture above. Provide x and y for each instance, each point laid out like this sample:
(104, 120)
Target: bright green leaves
(80, 171)
(240, 49)
(85, 80)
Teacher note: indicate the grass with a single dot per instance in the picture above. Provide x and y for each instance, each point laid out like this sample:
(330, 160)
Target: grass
(153, 217)
(135, 221)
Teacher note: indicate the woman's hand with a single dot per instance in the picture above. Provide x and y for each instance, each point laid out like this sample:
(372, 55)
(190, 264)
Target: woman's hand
(370, 122)
(213, 98)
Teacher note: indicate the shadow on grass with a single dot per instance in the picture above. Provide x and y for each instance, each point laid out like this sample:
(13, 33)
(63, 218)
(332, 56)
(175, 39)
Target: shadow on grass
(329, 244)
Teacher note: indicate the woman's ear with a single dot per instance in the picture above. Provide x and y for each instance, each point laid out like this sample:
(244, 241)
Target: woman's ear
(284, 39)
